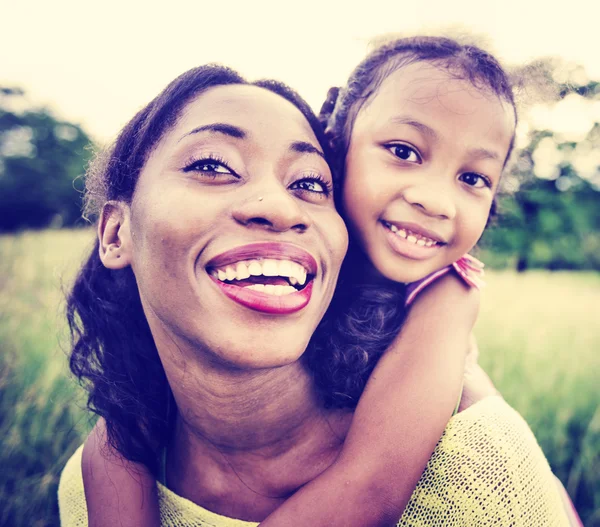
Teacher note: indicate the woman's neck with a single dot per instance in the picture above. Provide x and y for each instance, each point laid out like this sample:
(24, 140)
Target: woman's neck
(244, 441)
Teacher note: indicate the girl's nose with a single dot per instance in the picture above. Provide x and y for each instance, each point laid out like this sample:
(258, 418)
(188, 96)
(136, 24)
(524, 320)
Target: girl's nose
(275, 210)
(432, 200)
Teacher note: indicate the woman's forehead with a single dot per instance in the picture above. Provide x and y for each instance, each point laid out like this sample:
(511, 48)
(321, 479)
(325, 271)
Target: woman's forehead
(251, 108)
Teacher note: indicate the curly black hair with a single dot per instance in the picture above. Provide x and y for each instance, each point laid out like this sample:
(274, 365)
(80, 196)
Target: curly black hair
(113, 352)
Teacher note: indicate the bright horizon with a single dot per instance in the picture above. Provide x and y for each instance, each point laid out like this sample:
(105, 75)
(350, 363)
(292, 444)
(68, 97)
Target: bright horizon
(97, 67)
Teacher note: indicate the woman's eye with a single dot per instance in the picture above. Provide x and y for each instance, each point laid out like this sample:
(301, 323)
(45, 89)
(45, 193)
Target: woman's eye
(475, 180)
(209, 166)
(314, 185)
(405, 152)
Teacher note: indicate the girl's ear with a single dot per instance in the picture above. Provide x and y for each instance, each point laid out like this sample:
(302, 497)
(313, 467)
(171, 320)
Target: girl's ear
(114, 234)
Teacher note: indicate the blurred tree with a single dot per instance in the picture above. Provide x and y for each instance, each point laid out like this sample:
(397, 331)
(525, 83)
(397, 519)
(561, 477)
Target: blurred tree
(40, 159)
(551, 219)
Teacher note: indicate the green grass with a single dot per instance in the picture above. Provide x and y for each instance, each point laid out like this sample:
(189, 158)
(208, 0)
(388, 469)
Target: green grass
(41, 416)
(538, 334)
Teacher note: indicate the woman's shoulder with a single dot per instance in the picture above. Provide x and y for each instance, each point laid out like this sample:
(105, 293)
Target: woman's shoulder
(175, 511)
(487, 469)
(71, 496)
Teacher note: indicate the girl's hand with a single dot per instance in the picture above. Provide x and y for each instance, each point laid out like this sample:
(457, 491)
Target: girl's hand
(477, 384)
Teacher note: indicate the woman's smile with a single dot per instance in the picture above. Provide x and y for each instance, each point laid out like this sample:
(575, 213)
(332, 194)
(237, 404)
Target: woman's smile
(271, 277)
(235, 229)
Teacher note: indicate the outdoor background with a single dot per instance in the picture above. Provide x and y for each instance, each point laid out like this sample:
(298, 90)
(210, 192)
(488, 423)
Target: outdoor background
(71, 76)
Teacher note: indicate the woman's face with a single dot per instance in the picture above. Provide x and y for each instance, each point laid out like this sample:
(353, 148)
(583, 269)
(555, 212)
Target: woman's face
(235, 242)
(425, 157)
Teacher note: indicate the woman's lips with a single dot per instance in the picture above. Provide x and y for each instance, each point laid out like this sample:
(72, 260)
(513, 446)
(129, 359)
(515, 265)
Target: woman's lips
(265, 302)
(239, 273)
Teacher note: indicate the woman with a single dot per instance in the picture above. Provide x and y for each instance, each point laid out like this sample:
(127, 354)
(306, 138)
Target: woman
(212, 174)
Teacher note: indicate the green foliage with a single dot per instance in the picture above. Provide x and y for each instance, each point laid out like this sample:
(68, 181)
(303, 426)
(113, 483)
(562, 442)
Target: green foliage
(551, 222)
(538, 336)
(40, 160)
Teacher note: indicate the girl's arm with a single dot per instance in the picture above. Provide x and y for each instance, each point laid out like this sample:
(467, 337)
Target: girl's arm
(400, 417)
(117, 491)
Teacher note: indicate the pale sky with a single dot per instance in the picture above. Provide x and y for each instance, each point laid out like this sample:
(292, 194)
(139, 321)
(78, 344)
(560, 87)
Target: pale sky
(97, 63)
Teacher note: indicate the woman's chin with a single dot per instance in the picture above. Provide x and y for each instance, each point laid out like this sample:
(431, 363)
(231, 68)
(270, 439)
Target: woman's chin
(254, 359)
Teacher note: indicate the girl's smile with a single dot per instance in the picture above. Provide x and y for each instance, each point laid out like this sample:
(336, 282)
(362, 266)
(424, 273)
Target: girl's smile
(411, 240)
(424, 161)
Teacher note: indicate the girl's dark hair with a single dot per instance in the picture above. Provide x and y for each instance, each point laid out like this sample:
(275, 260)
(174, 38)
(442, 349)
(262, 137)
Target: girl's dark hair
(113, 352)
(348, 346)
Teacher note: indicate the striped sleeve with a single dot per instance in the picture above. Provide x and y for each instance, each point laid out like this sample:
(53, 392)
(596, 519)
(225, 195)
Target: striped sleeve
(469, 268)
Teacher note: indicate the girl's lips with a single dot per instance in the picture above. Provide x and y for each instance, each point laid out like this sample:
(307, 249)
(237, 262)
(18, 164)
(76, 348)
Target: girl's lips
(417, 229)
(264, 302)
(409, 249)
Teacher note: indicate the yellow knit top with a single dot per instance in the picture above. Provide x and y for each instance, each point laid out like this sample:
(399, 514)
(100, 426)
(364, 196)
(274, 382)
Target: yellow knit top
(487, 469)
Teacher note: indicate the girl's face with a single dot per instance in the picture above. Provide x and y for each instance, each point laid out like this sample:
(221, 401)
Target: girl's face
(235, 241)
(425, 158)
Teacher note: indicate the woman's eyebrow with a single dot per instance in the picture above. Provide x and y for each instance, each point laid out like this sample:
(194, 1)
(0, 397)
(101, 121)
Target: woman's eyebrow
(220, 128)
(304, 147)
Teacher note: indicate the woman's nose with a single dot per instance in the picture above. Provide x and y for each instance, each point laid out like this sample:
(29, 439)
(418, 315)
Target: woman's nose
(274, 210)
(432, 200)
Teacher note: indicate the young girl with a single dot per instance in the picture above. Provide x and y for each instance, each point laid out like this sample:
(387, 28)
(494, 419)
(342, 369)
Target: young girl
(423, 131)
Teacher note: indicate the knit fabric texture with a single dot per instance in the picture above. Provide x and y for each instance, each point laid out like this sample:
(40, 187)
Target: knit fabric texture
(487, 470)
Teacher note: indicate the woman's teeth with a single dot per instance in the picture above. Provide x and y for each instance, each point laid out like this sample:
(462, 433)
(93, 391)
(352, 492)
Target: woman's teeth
(277, 290)
(417, 239)
(294, 272)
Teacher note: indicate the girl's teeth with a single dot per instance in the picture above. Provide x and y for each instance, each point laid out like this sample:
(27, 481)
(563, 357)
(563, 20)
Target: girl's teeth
(421, 242)
(221, 275)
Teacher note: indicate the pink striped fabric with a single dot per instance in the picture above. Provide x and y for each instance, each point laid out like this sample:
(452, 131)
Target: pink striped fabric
(469, 268)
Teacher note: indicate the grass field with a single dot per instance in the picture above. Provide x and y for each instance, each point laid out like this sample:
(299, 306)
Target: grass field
(538, 332)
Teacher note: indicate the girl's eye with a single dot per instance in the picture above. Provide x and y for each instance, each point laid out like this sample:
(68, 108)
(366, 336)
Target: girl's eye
(405, 152)
(314, 184)
(475, 180)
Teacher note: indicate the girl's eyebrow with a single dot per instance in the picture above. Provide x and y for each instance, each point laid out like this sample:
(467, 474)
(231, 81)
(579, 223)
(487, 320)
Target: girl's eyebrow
(421, 127)
(483, 153)
(220, 128)
(477, 153)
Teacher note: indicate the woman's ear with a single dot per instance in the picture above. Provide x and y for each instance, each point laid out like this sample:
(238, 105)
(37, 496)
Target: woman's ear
(114, 234)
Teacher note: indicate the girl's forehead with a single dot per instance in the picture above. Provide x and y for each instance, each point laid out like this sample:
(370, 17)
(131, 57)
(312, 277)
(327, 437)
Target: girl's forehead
(421, 83)
(439, 98)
